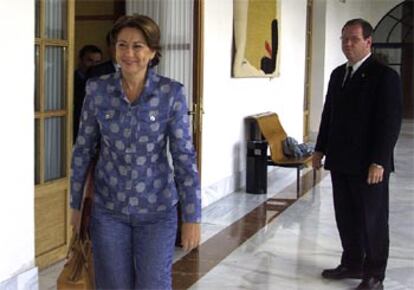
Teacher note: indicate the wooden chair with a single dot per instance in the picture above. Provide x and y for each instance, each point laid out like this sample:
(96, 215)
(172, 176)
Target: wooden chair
(272, 130)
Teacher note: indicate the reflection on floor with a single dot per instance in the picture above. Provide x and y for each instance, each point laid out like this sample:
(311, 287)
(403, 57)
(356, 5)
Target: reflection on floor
(270, 241)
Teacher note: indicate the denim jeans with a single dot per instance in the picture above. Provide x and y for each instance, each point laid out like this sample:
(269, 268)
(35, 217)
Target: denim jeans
(133, 252)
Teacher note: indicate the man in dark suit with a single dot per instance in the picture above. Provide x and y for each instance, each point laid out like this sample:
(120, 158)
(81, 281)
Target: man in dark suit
(360, 125)
(96, 69)
(89, 56)
(105, 67)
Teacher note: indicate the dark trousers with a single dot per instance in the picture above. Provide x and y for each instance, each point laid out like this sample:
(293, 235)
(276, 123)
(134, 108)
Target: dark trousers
(361, 212)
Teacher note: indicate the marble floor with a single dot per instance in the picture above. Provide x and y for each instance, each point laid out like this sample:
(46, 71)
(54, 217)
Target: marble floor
(272, 241)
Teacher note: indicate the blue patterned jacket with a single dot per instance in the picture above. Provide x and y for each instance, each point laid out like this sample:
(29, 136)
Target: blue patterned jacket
(133, 174)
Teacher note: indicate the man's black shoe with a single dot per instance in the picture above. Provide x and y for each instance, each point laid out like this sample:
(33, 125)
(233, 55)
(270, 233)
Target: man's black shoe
(341, 272)
(370, 284)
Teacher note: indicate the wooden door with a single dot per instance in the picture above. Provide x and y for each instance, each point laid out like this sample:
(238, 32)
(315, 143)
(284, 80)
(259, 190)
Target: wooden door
(198, 78)
(181, 24)
(308, 69)
(53, 119)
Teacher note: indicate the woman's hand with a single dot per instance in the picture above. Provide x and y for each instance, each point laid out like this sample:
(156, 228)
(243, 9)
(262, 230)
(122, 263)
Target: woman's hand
(190, 236)
(88, 193)
(75, 219)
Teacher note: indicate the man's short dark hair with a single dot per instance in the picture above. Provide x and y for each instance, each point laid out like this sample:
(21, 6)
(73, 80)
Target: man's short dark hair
(90, 48)
(367, 29)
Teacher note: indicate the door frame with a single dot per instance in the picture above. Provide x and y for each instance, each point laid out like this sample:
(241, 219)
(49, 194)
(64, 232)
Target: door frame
(198, 67)
(308, 70)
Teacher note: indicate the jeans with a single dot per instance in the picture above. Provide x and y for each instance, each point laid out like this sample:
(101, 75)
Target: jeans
(133, 252)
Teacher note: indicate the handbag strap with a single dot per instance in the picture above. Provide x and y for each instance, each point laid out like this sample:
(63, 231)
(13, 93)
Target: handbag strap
(85, 218)
(81, 244)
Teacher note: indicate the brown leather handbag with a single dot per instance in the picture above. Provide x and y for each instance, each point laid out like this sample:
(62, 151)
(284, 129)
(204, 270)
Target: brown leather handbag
(77, 272)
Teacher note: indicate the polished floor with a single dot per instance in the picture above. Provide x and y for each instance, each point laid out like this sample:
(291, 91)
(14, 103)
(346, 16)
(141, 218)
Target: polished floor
(272, 241)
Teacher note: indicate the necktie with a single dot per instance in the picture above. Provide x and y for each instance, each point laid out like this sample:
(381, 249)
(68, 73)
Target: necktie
(348, 76)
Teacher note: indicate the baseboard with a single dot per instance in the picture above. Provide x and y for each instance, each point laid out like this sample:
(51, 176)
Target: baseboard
(237, 182)
(222, 188)
(28, 280)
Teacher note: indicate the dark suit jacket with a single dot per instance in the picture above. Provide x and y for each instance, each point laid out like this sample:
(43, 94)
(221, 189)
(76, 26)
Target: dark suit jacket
(79, 95)
(361, 122)
(104, 68)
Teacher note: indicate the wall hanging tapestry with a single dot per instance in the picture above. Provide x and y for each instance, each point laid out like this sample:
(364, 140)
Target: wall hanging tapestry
(256, 38)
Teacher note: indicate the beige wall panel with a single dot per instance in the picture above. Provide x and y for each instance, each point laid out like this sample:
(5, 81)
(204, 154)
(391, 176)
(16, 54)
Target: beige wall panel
(51, 257)
(50, 205)
(91, 32)
(94, 7)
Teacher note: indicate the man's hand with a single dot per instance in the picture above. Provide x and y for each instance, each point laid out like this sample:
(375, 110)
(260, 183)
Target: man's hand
(375, 174)
(317, 159)
(190, 236)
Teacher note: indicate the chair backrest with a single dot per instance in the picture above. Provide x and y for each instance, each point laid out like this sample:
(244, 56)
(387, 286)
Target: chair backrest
(274, 134)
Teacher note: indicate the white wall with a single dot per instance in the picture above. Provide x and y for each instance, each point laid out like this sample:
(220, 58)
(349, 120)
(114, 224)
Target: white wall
(338, 13)
(17, 266)
(330, 26)
(227, 101)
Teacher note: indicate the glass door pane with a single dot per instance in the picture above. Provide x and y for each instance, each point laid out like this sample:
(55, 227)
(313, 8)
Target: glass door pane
(37, 18)
(56, 19)
(36, 89)
(54, 148)
(37, 151)
(55, 78)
